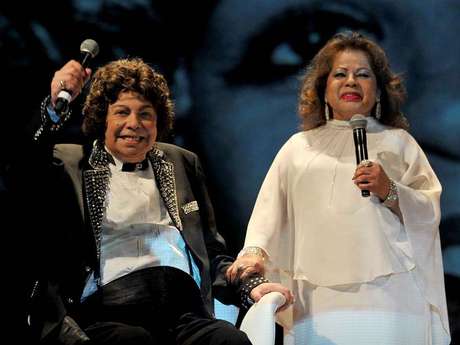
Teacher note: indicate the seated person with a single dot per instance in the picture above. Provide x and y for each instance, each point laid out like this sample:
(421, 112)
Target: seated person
(130, 251)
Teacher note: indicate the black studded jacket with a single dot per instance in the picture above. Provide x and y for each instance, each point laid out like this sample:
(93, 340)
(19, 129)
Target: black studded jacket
(75, 185)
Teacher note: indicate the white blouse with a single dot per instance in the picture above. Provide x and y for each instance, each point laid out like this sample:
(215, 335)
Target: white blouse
(331, 245)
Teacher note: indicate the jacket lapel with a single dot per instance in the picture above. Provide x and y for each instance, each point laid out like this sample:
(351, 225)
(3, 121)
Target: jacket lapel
(164, 175)
(96, 181)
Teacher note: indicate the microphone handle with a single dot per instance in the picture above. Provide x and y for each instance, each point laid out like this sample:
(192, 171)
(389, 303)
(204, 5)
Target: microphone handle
(85, 59)
(365, 193)
(359, 136)
(62, 102)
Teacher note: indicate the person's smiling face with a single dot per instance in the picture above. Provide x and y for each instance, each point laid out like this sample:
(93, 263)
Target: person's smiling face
(351, 85)
(131, 127)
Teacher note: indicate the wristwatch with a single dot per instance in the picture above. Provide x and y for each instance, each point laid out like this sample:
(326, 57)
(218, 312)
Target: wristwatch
(392, 196)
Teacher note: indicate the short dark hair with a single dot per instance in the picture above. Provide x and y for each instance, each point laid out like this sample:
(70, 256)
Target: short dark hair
(120, 76)
(393, 93)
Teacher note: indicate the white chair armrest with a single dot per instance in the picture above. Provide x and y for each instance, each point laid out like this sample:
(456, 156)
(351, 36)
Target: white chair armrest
(259, 321)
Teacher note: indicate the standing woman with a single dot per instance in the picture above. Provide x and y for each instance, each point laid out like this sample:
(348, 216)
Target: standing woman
(363, 270)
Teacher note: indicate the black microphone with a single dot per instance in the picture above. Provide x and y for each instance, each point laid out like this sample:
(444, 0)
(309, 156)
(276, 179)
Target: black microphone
(359, 123)
(88, 49)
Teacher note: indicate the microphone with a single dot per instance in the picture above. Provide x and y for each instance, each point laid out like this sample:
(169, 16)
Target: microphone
(359, 123)
(88, 49)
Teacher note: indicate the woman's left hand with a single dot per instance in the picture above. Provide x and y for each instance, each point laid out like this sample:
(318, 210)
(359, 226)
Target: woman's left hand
(259, 291)
(371, 176)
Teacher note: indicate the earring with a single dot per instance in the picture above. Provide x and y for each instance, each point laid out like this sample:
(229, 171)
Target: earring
(378, 109)
(326, 109)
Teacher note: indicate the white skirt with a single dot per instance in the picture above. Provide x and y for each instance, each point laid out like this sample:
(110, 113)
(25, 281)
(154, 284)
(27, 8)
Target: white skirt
(387, 311)
(366, 328)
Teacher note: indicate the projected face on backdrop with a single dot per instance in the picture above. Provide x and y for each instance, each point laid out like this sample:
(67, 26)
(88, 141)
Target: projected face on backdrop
(245, 82)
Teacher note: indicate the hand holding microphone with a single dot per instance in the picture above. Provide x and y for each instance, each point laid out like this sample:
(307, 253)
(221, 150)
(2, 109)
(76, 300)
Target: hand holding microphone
(359, 123)
(70, 79)
(369, 176)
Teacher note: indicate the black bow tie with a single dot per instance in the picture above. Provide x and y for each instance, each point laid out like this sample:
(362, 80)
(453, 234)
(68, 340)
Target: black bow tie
(135, 166)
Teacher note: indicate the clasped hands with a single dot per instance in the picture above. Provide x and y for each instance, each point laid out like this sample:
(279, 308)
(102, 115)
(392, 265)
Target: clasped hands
(248, 264)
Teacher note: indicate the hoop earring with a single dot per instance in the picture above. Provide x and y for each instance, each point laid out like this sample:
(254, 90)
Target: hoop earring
(326, 110)
(378, 109)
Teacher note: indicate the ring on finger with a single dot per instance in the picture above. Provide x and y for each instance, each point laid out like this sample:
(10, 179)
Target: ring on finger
(366, 163)
(62, 84)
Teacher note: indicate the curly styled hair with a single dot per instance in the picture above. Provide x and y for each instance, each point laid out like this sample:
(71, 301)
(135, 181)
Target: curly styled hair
(120, 76)
(392, 91)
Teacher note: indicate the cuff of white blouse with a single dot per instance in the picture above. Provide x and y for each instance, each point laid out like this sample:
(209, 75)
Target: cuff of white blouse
(419, 207)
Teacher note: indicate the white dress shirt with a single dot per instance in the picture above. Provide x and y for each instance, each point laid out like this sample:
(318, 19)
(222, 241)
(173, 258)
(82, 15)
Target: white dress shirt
(137, 231)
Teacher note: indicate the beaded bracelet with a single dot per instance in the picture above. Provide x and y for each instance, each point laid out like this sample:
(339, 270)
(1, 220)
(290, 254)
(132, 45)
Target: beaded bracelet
(246, 288)
(392, 196)
(253, 251)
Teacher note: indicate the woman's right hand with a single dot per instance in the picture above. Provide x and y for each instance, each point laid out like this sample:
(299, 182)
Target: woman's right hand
(244, 266)
(71, 77)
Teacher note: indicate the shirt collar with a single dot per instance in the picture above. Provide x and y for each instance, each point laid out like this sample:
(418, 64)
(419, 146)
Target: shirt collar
(127, 167)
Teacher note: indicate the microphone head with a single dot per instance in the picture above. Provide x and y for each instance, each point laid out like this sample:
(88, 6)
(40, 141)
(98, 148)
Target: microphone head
(358, 121)
(89, 46)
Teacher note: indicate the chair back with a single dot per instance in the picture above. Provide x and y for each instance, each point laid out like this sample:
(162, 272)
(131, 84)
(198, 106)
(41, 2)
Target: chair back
(259, 321)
